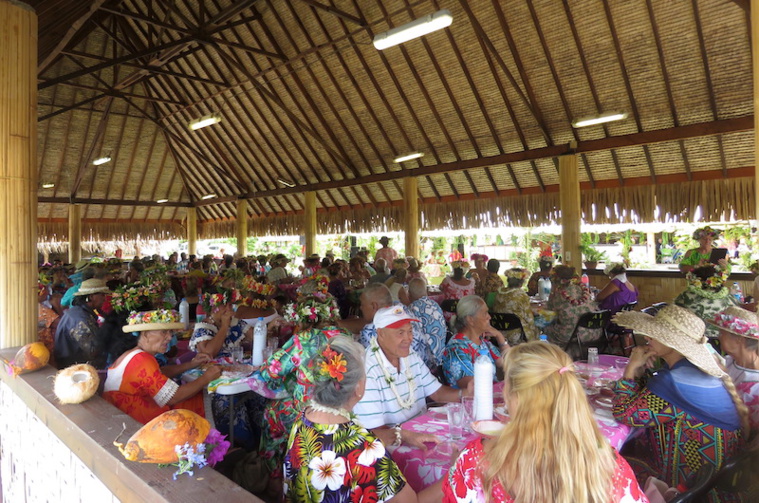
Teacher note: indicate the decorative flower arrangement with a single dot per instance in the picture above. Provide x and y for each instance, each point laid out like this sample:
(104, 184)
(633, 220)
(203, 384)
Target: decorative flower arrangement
(316, 285)
(157, 316)
(250, 284)
(706, 232)
(333, 366)
(463, 264)
(130, 298)
(715, 282)
(312, 310)
(517, 273)
(479, 256)
(257, 303)
(737, 325)
(208, 453)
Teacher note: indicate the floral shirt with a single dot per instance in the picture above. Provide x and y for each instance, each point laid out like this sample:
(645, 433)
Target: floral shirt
(569, 301)
(75, 340)
(705, 304)
(490, 283)
(459, 356)
(464, 481)
(338, 463)
(432, 322)
(515, 300)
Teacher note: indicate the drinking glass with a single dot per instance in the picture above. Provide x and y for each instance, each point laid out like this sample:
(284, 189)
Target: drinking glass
(455, 412)
(468, 403)
(237, 354)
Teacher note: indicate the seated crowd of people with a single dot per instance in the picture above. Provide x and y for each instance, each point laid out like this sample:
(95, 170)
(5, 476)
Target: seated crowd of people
(362, 346)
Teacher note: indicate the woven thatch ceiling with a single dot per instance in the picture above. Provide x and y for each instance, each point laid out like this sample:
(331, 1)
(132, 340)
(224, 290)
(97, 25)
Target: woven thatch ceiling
(306, 98)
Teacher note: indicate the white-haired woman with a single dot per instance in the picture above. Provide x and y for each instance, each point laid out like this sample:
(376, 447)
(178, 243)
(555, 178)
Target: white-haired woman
(552, 431)
(619, 291)
(330, 456)
(473, 333)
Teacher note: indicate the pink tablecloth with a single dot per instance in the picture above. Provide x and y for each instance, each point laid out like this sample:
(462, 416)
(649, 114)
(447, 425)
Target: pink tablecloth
(422, 469)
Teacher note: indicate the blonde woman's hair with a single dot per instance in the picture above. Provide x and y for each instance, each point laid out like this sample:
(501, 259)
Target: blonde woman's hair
(551, 450)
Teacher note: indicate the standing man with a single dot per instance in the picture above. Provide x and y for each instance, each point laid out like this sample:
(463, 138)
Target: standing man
(385, 252)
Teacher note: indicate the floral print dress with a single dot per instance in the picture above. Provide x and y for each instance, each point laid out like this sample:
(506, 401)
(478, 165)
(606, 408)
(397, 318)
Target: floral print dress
(569, 301)
(291, 369)
(705, 304)
(454, 291)
(516, 301)
(464, 481)
(338, 463)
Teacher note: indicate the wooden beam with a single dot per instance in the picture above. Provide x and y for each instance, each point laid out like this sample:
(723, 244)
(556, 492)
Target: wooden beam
(113, 202)
(337, 12)
(75, 27)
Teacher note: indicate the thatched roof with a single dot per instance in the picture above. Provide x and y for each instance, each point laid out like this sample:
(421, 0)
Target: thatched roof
(305, 98)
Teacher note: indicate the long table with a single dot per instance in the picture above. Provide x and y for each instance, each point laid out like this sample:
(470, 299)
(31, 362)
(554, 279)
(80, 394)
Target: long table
(423, 469)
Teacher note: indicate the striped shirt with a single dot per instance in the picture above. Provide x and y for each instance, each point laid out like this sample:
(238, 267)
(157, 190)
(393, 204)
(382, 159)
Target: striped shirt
(379, 406)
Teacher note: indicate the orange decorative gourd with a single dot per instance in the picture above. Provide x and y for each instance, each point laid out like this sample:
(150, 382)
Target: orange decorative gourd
(29, 358)
(155, 442)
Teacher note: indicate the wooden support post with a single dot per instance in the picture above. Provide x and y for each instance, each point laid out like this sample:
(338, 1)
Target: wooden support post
(755, 59)
(75, 233)
(18, 174)
(192, 231)
(242, 227)
(569, 203)
(309, 224)
(411, 216)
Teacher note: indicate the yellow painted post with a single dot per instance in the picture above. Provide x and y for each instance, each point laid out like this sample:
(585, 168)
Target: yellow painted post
(569, 202)
(192, 231)
(75, 233)
(242, 227)
(18, 174)
(411, 216)
(309, 224)
(755, 68)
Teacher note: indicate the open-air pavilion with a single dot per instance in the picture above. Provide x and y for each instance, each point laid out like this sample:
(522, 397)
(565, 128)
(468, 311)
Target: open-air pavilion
(312, 116)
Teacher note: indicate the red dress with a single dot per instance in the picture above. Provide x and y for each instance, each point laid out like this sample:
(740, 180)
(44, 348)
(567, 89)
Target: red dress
(464, 482)
(136, 386)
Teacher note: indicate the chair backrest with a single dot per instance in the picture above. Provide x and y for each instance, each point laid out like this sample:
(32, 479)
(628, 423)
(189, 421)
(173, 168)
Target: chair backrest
(505, 321)
(594, 319)
(653, 308)
(449, 305)
(629, 306)
(737, 475)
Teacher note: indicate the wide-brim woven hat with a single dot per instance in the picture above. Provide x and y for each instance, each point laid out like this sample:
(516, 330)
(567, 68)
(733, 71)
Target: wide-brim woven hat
(91, 286)
(676, 328)
(160, 319)
(738, 321)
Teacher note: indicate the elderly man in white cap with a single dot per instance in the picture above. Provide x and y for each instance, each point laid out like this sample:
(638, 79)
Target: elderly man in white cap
(75, 335)
(398, 381)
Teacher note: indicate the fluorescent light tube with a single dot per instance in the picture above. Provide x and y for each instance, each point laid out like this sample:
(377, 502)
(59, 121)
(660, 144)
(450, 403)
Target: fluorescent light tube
(208, 196)
(204, 121)
(286, 183)
(408, 157)
(101, 160)
(48, 185)
(161, 201)
(416, 28)
(601, 119)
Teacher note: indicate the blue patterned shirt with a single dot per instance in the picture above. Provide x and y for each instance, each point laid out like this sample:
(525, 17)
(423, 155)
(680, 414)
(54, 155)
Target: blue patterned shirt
(432, 325)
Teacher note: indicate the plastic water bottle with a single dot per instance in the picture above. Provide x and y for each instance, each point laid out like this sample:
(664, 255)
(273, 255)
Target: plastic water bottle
(543, 338)
(541, 286)
(259, 342)
(736, 292)
(585, 279)
(200, 314)
(184, 313)
(483, 386)
(546, 292)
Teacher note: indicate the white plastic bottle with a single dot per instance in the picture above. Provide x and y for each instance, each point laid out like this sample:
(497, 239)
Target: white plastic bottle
(541, 285)
(483, 386)
(259, 342)
(546, 289)
(543, 338)
(184, 313)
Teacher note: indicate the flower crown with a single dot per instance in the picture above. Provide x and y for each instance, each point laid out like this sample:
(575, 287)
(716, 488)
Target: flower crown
(129, 298)
(250, 284)
(612, 265)
(522, 274)
(463, 263)
(222, 297)
(157, 316)
(316, 285)
(737, 325)
(706, 232)
(333, 366)
(479, 256)
(312, 310)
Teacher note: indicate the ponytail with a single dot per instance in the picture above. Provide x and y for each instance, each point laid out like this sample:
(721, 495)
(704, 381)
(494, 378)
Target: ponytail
(739, 404)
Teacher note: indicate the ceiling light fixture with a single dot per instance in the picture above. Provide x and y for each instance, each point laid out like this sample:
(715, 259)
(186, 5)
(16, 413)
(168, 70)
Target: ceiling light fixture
(208, 196)
(48, 185)
(416, 28)
(161, 201)
(286, 183)
(102, 160)
(600, 119)
(204, 121)
(408, 157)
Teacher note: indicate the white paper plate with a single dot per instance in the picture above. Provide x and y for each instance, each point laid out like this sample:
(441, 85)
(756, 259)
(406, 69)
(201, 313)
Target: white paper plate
(488, 428)
(501, 413)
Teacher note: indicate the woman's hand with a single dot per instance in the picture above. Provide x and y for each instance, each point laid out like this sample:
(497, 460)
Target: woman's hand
(213, 372)
(641, 357)
(224, 315)
(200, 359)
(418, 440)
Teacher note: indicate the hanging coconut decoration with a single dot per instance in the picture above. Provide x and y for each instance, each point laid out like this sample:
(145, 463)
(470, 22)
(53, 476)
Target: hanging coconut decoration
(29, 358)
(76, 384)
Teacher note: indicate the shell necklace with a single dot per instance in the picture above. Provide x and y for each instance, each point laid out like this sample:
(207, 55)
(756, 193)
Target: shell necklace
(329, 410)
(410, 399)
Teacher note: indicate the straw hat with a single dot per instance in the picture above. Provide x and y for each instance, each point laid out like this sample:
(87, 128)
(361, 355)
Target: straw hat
(160, 319)
(91, 286)
(676, 328)
(737, 321)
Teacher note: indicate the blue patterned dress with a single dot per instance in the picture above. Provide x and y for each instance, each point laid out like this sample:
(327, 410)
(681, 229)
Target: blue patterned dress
(432, 323)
